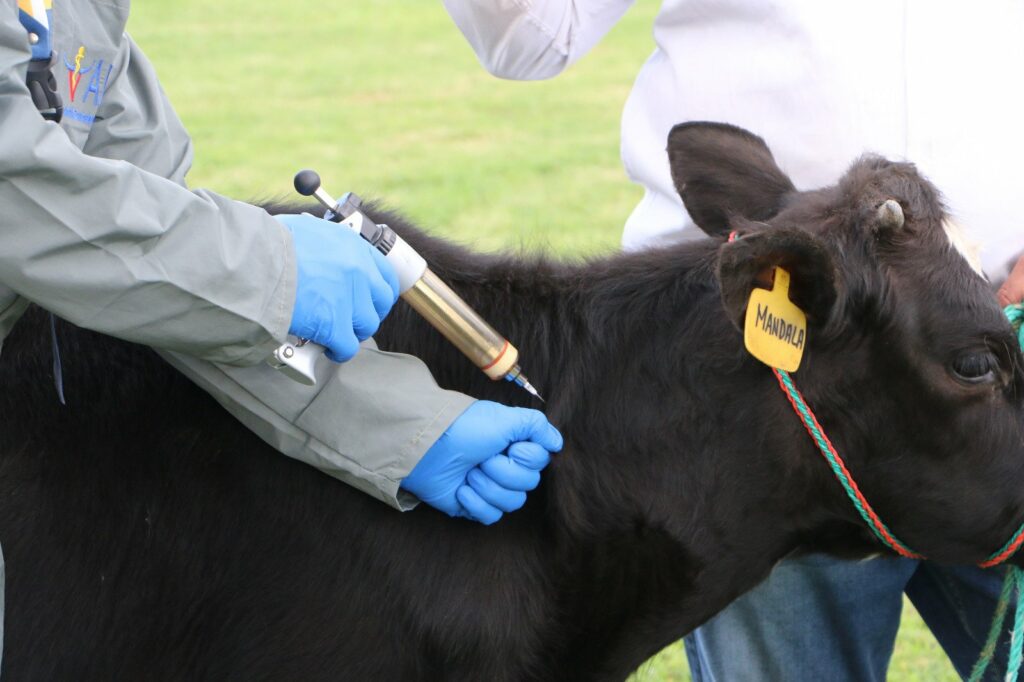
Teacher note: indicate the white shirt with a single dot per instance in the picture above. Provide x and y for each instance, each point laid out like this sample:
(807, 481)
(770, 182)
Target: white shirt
(936, 82)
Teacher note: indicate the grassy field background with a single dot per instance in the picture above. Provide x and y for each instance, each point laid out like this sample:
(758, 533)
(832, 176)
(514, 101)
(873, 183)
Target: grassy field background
(385, 98)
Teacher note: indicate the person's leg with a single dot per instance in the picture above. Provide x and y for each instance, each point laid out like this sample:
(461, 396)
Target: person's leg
(3, 588)
(815, 618)
(957, 604)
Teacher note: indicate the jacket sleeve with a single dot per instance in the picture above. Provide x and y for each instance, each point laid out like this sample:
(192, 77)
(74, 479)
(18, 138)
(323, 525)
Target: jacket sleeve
(367, 422)
(533, 39)
(120, 249)
(136, 122)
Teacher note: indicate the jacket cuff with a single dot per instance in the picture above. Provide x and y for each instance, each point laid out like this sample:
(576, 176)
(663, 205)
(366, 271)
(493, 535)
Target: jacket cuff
(276, 316)
(414, 450)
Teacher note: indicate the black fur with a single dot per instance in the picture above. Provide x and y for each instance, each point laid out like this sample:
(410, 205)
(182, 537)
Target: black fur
(149, 536)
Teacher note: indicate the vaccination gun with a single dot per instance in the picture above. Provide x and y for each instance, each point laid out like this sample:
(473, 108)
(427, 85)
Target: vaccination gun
(418, 286)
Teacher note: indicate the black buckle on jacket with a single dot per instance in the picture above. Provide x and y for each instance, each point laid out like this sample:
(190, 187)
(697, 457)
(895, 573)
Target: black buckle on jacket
(43, 87)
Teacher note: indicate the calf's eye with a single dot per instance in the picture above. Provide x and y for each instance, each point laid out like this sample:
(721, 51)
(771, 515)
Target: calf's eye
(976, 368)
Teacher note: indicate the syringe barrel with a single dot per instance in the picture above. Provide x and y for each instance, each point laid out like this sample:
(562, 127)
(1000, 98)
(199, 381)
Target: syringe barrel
(450, 315)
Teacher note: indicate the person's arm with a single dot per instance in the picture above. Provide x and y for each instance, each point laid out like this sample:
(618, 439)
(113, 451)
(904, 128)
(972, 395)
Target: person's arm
(369, 422)
(112, 247)
(533, 39)
(339, 426)
(1012, 290)
(136, 122)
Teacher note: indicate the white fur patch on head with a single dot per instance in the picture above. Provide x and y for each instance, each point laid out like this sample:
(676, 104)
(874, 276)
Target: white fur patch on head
(964, 245)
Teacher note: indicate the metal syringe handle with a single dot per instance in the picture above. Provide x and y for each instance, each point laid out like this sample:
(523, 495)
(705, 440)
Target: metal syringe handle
(462, 326)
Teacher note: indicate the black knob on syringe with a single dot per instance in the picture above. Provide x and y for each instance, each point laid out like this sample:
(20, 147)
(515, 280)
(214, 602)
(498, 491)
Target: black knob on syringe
(307, 183)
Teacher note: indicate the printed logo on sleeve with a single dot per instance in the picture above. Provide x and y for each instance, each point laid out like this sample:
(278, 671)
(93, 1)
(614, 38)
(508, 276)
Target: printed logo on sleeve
(81, 105)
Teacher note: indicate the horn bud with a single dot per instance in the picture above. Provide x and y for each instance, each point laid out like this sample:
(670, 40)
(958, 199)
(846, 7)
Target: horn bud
(890, 215)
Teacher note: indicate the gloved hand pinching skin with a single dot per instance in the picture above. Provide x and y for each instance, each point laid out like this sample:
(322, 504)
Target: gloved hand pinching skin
(485, 462)
(345, 286)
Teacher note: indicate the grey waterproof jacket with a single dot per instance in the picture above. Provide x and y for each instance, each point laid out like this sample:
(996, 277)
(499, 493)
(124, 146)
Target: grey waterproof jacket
(99, 227)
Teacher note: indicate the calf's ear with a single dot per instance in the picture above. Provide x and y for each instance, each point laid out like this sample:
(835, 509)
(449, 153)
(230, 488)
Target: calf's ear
(750, 260)
(722, 172)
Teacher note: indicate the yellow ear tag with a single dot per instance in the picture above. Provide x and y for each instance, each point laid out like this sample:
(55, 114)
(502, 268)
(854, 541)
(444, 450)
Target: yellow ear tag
(775, 331)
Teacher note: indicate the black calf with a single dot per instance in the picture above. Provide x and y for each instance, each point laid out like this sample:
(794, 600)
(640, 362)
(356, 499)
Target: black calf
(149, 536)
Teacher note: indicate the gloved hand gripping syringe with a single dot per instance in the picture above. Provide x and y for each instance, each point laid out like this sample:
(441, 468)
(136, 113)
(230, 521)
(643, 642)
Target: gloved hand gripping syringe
(421, 289)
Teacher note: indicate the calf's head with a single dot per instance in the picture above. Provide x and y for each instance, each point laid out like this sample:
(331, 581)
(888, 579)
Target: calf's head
(910, 364)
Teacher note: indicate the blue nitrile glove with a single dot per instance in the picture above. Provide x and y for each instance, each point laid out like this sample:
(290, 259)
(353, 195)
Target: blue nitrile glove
(345, 289)
(485, 462)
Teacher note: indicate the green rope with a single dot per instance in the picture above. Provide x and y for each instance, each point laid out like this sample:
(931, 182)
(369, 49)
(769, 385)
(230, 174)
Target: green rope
(1013, 664)
(1013, 583)
(1015, 314)
(989, 650)
(838, 467)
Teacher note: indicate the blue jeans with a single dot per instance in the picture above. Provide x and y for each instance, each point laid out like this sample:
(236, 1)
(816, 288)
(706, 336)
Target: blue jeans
(820, 618)
(3, 588)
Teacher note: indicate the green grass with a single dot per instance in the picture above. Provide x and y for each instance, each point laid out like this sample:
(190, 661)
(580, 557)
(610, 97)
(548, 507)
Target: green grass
(385, 98)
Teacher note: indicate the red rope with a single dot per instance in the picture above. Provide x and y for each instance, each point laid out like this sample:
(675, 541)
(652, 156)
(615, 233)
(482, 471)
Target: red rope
(879, 527)
(846, 477)
(1005, 554)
